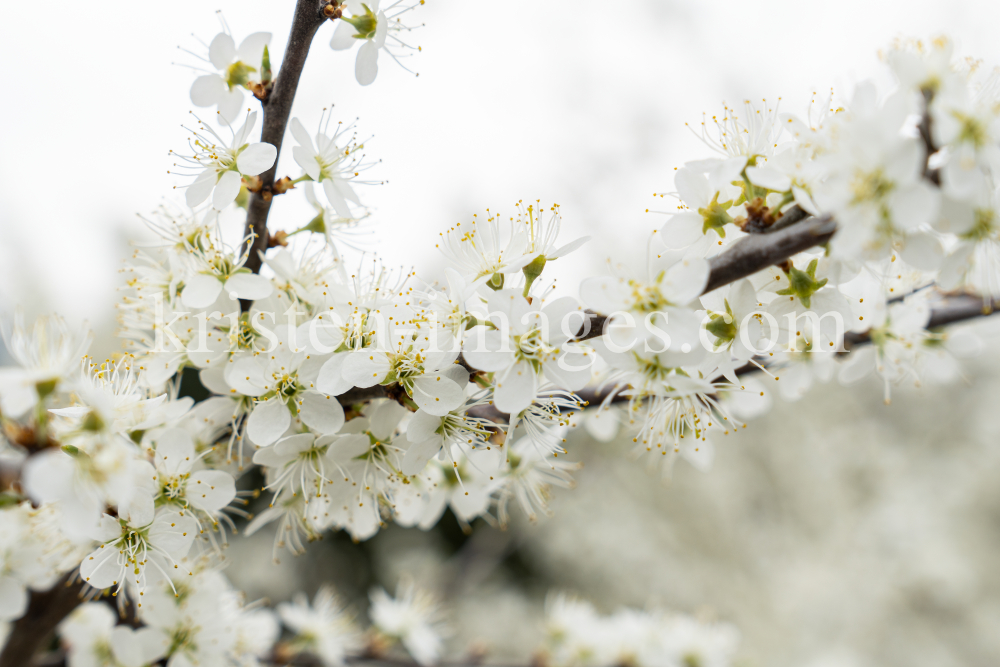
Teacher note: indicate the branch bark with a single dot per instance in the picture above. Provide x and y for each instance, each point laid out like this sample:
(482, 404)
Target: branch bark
(759, 251)
(277, 107)
(45, 611)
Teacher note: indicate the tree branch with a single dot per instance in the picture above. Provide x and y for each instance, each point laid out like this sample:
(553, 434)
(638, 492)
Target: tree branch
(45, 611)
(759, 251)
(277, 107)
(951, 309)
(748, 256)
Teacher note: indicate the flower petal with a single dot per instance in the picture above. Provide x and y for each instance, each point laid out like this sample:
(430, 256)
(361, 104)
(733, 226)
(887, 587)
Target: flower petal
(321, 413)
(488, 350)
(682, 230)
(331, 380)
(13, 599)
(572, 370)
(343, 36)
(200, 189)
(336, 199)
(221, 51)
(201, 291)
(230, 104)
(268, 422)
(365, 368)
(300, 134)
(207, 90)
(174, 533)
(250, 286)
(347, 447)
(100, 568)
(436, 394)
(419, 453)
(251, 50)
(245, 375)
(770, 178)
(516, 389)
(386, 418)
(568, 248)
(226, 190)
(366, 66)
(256, 158)
(174, 451)
(210, 490)
(685, 280)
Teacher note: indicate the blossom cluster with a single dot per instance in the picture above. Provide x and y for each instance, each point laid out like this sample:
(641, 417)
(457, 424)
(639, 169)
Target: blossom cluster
(203, 621)
(366, 396)
(579, 636)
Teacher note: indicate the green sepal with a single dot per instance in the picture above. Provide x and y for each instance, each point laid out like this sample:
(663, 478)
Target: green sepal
(803, 284)
(532, 270)
(93, 422)
(317, 225)
(364, 24)
(722, 325)
(715, 216)
(46, 387)
(243, 198)
(238, 74)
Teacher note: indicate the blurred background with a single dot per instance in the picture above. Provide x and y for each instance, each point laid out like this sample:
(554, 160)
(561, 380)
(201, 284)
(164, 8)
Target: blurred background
(836, 531)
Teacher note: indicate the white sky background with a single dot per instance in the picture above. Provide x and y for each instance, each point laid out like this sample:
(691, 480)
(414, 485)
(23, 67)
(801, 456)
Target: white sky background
(579, 102)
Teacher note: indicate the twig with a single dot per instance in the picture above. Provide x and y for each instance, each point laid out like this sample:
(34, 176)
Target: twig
(277, 107)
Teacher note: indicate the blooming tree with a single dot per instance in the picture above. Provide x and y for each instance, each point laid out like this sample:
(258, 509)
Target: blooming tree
(839, 243)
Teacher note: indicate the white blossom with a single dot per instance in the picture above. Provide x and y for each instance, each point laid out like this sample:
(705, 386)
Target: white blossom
(235, 68)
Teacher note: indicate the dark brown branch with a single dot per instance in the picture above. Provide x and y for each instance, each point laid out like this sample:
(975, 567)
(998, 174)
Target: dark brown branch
(45, 611)
(748, 256)
(788, 218)
(933, 175)
(359, 395)
(759, 251)
(277, 107)
(949, 310)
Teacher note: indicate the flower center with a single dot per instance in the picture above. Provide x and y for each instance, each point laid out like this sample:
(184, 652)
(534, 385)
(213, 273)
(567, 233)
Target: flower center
(365, 24)
(872, 186)
(984, 226)
(238, 74)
